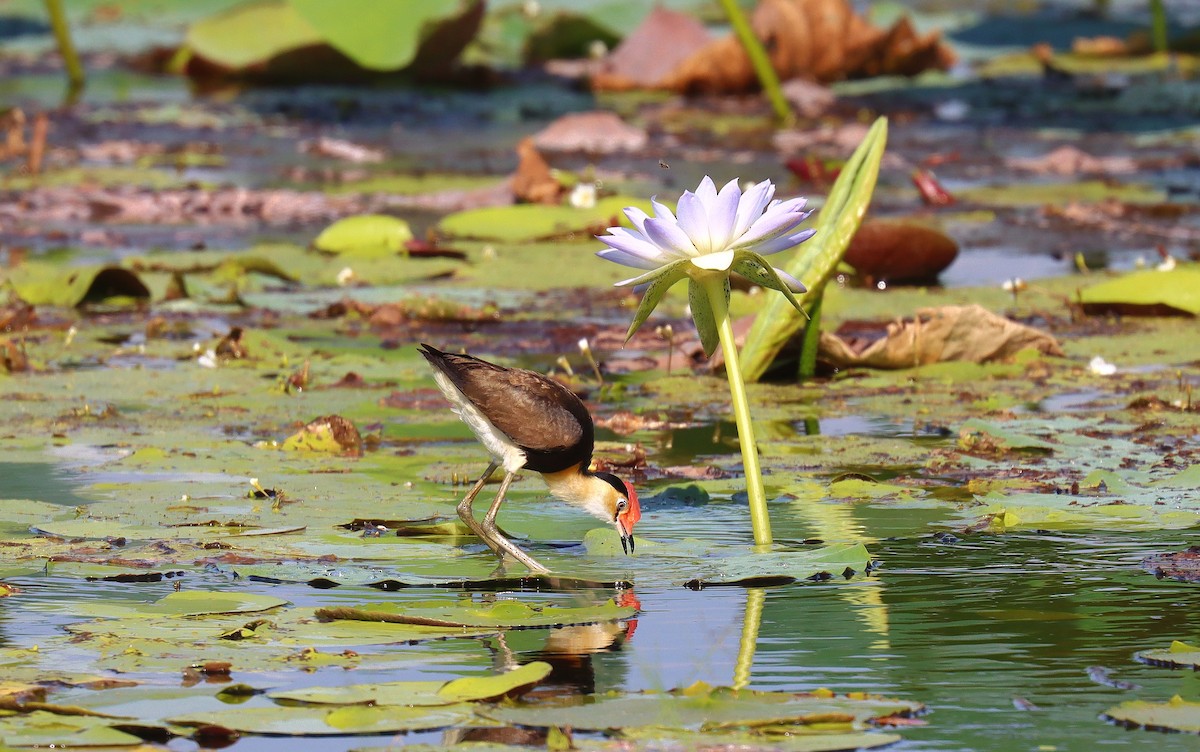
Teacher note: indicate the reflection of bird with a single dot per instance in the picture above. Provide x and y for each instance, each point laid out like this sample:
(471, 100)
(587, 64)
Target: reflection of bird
(524, 419)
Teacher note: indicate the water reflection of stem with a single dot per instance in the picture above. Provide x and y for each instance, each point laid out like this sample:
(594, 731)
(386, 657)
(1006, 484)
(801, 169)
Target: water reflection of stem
(751, 621)
(714, 288)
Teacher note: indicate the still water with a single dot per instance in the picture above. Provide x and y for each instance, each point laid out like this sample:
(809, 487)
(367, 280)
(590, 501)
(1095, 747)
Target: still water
(965, 626)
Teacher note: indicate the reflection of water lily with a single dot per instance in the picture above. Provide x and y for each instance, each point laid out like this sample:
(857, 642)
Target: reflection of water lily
(710, 233)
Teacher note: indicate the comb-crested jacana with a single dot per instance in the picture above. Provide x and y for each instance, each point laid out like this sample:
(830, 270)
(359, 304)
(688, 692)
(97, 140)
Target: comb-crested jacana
(526, 420)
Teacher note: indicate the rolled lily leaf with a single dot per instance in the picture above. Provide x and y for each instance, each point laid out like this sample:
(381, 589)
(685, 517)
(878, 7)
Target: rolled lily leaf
(818, 258)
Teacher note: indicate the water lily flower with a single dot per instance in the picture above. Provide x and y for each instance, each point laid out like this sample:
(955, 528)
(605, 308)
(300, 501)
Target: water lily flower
(710, 234)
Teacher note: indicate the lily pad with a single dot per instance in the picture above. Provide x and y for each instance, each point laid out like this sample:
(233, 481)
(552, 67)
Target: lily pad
(422, 693)
(1178, 655)
(701, 707)
(251, 33)
(504, 614)
(188, 603)
(44, 284)
(290, 721)
(527, 222)
(366, 236)
(43, 729)
(1148, 292)
(1177, 714)
(384, 36)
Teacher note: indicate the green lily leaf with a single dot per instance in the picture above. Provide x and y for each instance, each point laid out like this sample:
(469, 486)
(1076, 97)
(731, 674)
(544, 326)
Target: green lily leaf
(527, 222)
(1150, 292)
(188, 603)
(50, 284)
(288, 721)
(1179, 655)
(387, 35)
(818, 258)
(368, 236)
(505, 614)
(509, 684)
(43, 729)
(701, 707)
(1177, 714)
(250, 34)
(422, 693)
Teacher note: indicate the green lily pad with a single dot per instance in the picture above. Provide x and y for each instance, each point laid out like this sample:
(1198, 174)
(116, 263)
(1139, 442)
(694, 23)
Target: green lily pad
(504, 614)
(528, 222)
(251, 34)
(188, 603)
(1035, 511)
(48, 284)
(44, 730)
(366, 236)
(383, 36)
(290, 721)
(1148, 292)
(701, 707)
(422, 693)
(1177, 714)
(1178, 655)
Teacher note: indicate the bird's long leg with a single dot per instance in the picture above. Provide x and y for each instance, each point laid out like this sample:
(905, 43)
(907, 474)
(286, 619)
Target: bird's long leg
(464, 508)
(490, 531)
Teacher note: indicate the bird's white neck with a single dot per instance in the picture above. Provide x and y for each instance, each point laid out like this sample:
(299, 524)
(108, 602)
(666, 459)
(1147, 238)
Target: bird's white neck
(583, 490)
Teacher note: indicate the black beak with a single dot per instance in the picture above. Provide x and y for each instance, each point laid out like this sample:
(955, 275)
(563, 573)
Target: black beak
(627, 543)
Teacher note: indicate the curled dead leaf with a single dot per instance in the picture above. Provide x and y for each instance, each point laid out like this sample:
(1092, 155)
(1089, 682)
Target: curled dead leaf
(533, 182)
(948, 333)
(819, 40)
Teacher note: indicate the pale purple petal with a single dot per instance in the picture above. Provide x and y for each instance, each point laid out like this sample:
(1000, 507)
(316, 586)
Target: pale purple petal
(633, 246)
(693, 220)
(627, 259)
(637, 217)
(667, 236)
(768, 227)
(782, 243)
(795, 284)
(722, 214)
(662, 211)
(707, 191)
(750, 207)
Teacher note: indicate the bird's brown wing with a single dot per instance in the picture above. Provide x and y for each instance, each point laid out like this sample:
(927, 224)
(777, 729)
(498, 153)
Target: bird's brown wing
(535, 412)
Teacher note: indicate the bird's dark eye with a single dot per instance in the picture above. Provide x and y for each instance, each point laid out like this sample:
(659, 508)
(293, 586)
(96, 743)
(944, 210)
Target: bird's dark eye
(621, 504)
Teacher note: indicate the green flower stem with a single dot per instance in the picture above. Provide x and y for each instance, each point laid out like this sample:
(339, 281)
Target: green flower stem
(751, 621)
(714, 287)
(761, 62)
(66, 47)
